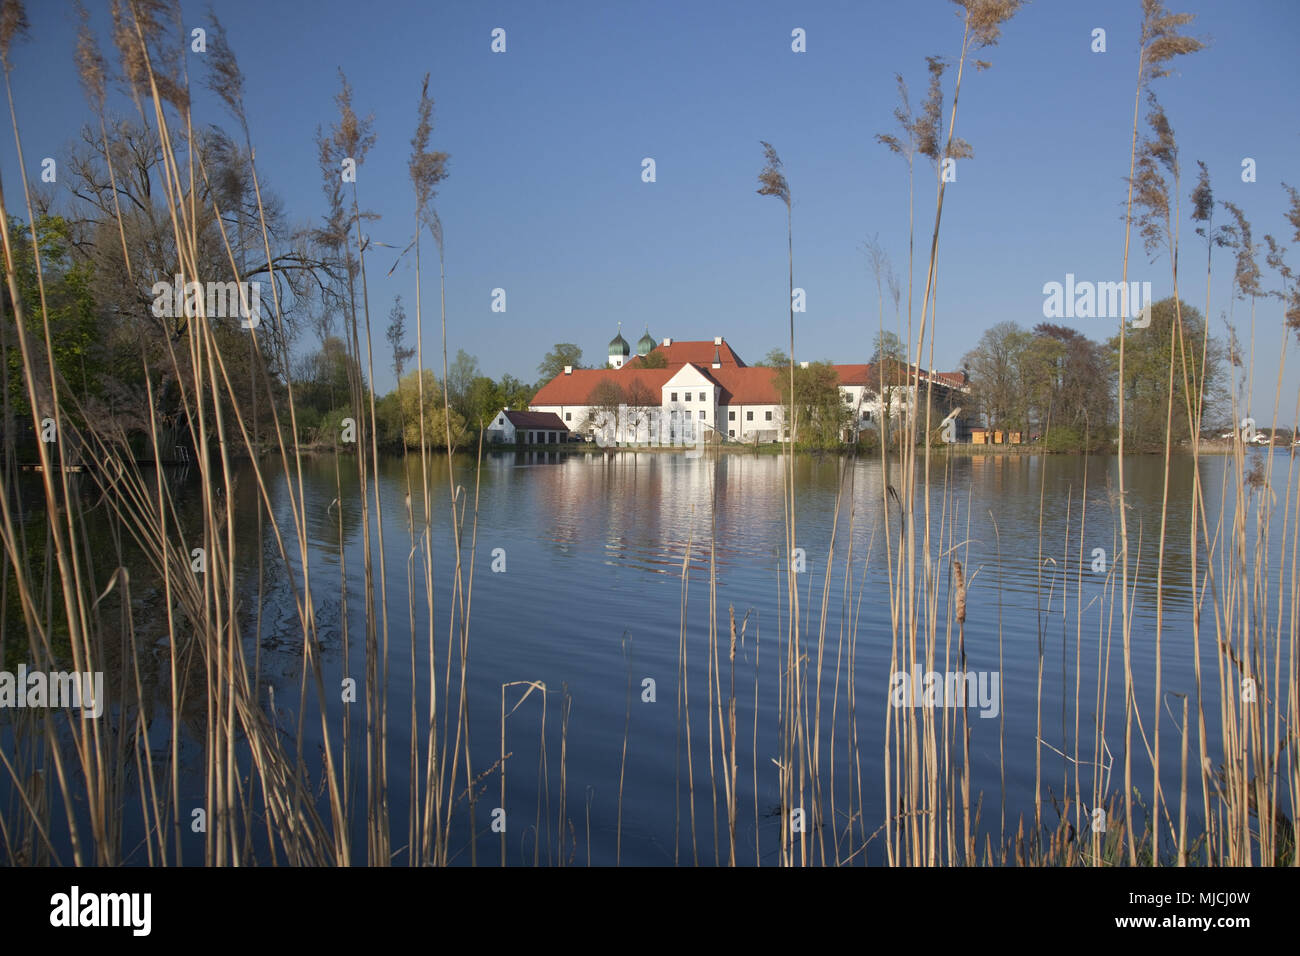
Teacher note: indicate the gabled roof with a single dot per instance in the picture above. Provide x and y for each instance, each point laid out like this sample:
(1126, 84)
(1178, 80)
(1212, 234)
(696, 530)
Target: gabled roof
(696, 353)
(858, 374)
(575, 388)
(740, 384)
(688, 374)
(547, 420)
(746, 386)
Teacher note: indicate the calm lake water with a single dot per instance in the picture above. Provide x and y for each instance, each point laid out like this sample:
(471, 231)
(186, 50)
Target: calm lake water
(599, 561)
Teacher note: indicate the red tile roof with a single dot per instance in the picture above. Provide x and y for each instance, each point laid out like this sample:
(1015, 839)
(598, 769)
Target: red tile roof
(858, 374)
(548, 420)
(895, 372)
(740, 384)
(746, 386)
(953, 379)
(575, 388)
(694, 353)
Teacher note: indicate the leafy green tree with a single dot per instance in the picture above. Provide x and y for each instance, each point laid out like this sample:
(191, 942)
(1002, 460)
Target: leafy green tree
(775, 358)
(564, 353)
(396, 335)
(388, 419)
(1041, 370)
(1146, 386)
(514, 393)
(461, 374)
(329, 427)
(322, 379)
(74, 333)
(435, 418)
(820, 412)
(655, 359)
(888, 345)
(485, 399)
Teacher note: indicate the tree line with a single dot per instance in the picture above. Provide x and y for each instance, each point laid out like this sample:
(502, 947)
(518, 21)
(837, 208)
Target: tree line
(1055, 384)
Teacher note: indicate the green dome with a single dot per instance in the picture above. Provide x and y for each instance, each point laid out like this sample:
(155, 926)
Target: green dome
(619, 346)
(646, 345)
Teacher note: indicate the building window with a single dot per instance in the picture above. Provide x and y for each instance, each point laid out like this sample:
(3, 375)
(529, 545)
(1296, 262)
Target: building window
(731, 416)
(701, 414)
(749, 416)
(674, 396)
(568, 416)
(731, 433)
(501, 421)
(701, 396)
(688, 396)
(673, 414)
(769, 416)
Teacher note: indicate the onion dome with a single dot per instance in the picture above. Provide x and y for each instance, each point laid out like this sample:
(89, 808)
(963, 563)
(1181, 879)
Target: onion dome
(618, 345)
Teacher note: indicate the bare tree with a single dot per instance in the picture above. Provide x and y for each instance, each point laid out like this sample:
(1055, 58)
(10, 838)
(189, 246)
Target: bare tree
(641, 404)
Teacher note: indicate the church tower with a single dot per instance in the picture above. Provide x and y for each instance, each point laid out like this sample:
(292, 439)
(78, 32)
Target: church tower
(619, 350)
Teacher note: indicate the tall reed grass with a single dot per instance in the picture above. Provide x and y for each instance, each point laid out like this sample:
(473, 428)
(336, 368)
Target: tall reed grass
(273, 791)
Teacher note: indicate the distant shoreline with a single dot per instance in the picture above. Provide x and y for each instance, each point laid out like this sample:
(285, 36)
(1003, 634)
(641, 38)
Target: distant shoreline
(1217, 447)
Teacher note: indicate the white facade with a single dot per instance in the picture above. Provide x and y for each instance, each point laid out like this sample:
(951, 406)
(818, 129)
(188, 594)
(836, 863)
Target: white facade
(682, 414)
(868, 404)
(674, 422)
(504, 431)
(691, 403)
(678, 419)
(751, 422)
(501, 429)
(691, 410)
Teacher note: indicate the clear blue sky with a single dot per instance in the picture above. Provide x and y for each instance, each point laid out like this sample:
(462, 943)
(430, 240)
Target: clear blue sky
(545, 197)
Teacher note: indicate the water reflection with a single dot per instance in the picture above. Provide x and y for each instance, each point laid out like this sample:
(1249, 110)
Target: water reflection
(590, 594)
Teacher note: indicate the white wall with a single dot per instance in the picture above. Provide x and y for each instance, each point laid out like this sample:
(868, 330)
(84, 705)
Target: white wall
(571, 415)
(743, 426)
(860, 398)
(683, 422)
(501, 429)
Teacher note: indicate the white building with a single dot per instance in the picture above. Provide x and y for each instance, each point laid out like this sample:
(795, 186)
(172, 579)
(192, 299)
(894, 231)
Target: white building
(705, 390)
(526, 428)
